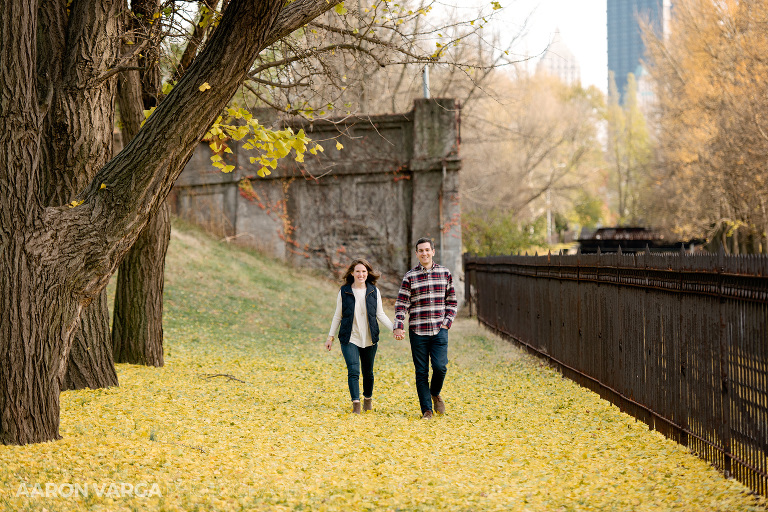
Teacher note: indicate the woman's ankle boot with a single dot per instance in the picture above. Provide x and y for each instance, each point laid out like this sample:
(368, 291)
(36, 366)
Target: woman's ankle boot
(356, 407)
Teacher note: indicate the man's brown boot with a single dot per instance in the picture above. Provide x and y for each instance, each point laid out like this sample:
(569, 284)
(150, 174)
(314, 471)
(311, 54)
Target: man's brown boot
(367, 404)
(437, 401)
(356, 407)
(427, 415)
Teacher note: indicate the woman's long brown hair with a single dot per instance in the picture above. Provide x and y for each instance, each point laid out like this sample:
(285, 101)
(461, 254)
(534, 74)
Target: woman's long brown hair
(373, 276)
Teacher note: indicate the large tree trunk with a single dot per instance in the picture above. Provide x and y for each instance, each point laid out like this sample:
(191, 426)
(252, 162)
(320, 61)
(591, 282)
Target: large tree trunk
(137, 325)
(90, 362)
(54, 261)
(77, 142)
(32, 308)
(37, 315)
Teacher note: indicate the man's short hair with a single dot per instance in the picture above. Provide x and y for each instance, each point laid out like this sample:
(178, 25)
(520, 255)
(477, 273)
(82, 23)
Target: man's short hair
(424, 240)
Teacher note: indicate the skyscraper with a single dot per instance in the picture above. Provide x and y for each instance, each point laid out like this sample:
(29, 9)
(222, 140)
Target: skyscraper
(625, 41)
(559, 61)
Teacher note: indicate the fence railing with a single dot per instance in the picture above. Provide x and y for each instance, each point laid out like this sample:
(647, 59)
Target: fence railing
(678, 341)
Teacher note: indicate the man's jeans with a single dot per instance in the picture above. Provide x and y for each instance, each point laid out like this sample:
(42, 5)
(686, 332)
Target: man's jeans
(422, 349)
(355, 358)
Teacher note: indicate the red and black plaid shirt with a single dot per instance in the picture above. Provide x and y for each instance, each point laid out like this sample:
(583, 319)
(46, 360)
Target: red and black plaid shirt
(428, 296)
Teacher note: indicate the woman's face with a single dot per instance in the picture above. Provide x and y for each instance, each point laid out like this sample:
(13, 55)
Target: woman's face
(360, 273)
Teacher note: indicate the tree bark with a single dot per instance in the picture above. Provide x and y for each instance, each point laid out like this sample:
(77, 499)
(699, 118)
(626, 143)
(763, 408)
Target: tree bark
(90, 363)
(37, 315)
(137, 325)
(55, 260)
(77, 142)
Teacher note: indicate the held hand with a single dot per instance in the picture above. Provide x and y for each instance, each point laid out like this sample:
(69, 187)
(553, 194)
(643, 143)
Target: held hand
(399, 334)
(328, 343)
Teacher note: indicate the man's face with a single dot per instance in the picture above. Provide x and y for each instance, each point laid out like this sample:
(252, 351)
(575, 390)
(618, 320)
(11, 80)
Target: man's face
(425, 252)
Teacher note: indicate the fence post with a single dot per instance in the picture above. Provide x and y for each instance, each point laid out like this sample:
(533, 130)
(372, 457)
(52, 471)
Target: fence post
(725, 402)
(467, 283)
(682, 379)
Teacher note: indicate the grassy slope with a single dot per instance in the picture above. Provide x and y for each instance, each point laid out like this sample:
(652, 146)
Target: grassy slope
(516, 436)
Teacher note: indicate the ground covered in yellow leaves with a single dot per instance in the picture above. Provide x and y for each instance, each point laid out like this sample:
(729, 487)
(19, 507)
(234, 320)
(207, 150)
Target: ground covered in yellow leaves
(250, 413)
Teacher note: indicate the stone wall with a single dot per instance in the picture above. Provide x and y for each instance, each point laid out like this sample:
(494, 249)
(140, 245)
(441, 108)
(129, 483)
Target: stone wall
(395, 180)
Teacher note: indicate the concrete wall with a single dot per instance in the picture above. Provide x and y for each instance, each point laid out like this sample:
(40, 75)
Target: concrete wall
(395, 181)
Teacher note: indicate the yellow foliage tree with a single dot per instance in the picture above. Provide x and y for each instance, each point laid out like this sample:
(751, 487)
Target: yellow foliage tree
(713, 141)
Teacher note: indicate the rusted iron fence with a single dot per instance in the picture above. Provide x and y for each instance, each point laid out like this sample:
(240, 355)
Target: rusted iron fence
(678, 341)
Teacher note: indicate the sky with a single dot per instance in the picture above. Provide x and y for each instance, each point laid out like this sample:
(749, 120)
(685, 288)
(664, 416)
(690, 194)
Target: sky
(582, 25)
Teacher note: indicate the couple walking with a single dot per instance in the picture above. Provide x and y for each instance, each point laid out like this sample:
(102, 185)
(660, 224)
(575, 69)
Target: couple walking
(427, 296)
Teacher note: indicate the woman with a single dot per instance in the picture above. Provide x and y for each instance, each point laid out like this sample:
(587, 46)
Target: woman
(358, 305)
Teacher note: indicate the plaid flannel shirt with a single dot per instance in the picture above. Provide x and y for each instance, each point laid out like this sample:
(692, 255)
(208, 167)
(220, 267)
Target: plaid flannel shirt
(430, 299)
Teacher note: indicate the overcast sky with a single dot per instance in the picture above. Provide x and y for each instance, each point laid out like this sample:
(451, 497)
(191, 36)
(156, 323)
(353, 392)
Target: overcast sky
(582, 25)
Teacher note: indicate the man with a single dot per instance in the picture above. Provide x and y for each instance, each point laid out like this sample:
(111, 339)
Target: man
(427, 294)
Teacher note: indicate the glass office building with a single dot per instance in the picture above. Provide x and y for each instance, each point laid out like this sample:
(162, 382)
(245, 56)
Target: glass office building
(625, 41)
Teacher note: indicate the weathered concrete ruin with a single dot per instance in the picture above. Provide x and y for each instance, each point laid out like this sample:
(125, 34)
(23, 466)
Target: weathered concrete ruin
(395, 180)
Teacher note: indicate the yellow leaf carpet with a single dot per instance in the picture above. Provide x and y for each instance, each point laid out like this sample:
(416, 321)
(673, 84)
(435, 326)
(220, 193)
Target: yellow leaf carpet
(249, 413)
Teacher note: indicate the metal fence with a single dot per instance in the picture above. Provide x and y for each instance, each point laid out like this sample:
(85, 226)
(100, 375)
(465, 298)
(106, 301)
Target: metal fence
(678, 341)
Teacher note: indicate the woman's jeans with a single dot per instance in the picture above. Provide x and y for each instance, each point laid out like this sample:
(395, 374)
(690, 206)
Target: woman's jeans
(422, 349)
(356, 358)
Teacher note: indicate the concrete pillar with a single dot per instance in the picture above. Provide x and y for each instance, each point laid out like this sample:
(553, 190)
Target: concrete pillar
(435, 165)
